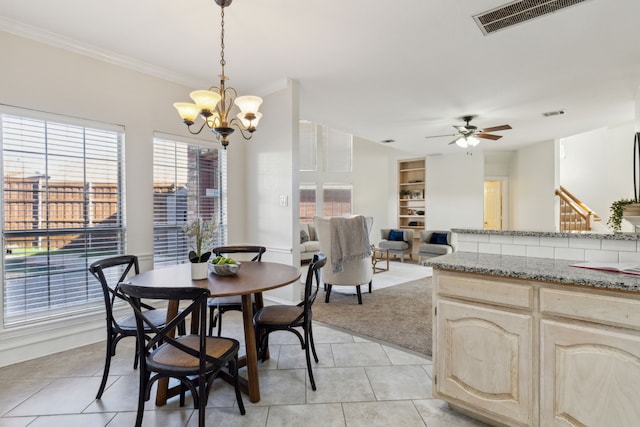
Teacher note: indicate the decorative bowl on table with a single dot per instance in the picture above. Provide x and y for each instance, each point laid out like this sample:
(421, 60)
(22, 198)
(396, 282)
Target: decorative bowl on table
(224, 269)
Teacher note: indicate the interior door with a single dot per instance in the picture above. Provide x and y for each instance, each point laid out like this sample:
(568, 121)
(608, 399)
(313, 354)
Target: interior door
(493, 205)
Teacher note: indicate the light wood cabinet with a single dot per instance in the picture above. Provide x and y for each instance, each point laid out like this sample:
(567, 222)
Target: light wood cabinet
(487, 362)
(527, 353)
(483, 359)
(411, 197)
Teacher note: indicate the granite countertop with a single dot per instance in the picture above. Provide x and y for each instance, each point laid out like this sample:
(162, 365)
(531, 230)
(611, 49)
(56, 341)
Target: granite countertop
(541, 269)
(606, 236)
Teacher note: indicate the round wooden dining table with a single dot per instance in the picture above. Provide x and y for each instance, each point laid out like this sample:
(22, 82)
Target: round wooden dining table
(252, 279)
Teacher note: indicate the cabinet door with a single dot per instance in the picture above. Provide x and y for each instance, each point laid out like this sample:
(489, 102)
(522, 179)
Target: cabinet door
(484, 359)
(589, 376)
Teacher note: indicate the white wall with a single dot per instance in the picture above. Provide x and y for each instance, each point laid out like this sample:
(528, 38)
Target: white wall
(597, 167)
(531, 188)
(455, 191)
(272, 159)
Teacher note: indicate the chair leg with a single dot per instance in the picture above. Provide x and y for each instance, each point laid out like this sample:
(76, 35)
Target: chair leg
(328, 289)
(105, 373)
(141, 398)
(212, 320)
(219, 319)
(233, 367)
(359, 294)
(370, 281)
(107, 365)
(135, 359)
(306, 352)
(313, 345)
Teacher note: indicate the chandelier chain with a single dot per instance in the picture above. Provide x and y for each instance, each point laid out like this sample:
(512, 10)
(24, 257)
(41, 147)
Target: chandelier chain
(222, 60)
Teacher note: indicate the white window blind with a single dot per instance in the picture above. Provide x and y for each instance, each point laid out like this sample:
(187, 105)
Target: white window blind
(336, 200)
(338, 149)
(62, 209)
(308, 146)
(189, 181)
(307, 203)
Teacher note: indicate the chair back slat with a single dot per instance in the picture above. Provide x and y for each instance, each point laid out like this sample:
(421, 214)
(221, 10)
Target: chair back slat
(235, 249)
(310, 292)
(163, 334)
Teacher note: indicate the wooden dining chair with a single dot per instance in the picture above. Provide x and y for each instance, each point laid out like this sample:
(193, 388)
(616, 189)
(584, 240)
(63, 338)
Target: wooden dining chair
(219, 305)
(195, 359)
(110, 272)
(289, 317)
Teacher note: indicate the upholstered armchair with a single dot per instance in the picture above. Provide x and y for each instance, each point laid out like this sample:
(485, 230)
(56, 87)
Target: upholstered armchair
(399, 242)
(435, 243)
(354, 273)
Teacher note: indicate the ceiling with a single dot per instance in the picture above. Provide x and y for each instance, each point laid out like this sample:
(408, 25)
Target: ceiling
(377, 69)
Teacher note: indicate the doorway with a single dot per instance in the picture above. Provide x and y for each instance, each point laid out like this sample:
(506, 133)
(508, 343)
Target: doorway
(495, 213)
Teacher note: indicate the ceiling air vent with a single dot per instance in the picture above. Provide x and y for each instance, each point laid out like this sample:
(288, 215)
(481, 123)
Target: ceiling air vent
(519, 11)
(553, 113)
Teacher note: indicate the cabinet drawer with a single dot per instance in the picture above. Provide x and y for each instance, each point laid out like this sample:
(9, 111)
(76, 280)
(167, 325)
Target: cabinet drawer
(608, 310)
(494, 291)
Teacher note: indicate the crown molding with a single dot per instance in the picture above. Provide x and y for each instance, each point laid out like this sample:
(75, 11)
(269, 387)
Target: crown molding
(56, 40)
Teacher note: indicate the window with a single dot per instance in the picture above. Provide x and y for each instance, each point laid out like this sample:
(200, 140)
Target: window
(307, 203)
(308, 146)
(336, 200)
(338, 148)
(62, 210)
(189, 181)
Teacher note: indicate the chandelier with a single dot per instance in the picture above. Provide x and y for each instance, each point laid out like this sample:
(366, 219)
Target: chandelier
(215, 104)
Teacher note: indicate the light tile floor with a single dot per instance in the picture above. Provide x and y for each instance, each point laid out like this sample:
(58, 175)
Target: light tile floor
(359, 383)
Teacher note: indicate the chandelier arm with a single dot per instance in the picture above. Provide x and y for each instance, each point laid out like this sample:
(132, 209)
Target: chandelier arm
(198, 131)
(246, 133)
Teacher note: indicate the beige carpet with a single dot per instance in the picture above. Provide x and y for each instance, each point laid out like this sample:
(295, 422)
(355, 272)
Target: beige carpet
(400, 315)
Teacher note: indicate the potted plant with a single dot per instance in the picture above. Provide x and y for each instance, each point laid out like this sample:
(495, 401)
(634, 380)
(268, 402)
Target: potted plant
(200, 233)
(621, 208)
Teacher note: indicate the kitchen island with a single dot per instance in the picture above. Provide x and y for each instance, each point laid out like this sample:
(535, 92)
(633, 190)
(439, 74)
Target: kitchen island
(530, 341)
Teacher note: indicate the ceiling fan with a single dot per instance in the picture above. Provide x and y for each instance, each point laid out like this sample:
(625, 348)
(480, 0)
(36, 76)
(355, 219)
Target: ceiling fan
(468, 134)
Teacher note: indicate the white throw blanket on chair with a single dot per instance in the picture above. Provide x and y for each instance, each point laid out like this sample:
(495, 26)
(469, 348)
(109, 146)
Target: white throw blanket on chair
(349, 240)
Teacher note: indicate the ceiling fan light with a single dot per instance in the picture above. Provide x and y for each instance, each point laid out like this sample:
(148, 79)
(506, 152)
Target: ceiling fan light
(472, 141)
(206, 100)
(462, 142)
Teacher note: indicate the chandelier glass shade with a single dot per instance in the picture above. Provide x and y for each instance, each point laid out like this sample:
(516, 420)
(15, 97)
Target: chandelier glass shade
(215, 105)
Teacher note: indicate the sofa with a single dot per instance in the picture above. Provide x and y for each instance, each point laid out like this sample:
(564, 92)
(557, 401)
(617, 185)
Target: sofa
(309, 244)
(435, 243)
(399, 242)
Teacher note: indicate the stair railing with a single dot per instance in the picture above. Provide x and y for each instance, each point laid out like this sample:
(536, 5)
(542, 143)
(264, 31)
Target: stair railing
(574, 215)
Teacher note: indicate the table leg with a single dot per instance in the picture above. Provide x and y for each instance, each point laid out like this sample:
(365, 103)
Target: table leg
(163, 383)
(251, 348)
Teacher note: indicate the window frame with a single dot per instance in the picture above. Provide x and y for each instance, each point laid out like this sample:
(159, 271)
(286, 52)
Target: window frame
(55, 281)
(193, 205)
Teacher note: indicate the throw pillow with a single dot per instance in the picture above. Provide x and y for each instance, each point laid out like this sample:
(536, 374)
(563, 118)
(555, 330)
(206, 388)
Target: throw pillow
(396, 235)
(304, 236)
(439, 238)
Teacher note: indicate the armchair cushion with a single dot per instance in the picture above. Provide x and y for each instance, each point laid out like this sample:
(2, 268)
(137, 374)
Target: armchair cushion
(439, 239)
(396, 235)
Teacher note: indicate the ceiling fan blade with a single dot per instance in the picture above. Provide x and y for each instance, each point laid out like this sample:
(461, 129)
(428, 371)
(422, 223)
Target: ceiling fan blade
(462, 129)
(496, 128)
(488, 136)
(440, 136)
(453, 142)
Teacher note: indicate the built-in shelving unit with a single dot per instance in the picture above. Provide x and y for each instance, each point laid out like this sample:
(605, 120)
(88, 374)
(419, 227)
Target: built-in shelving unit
(411, 196)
